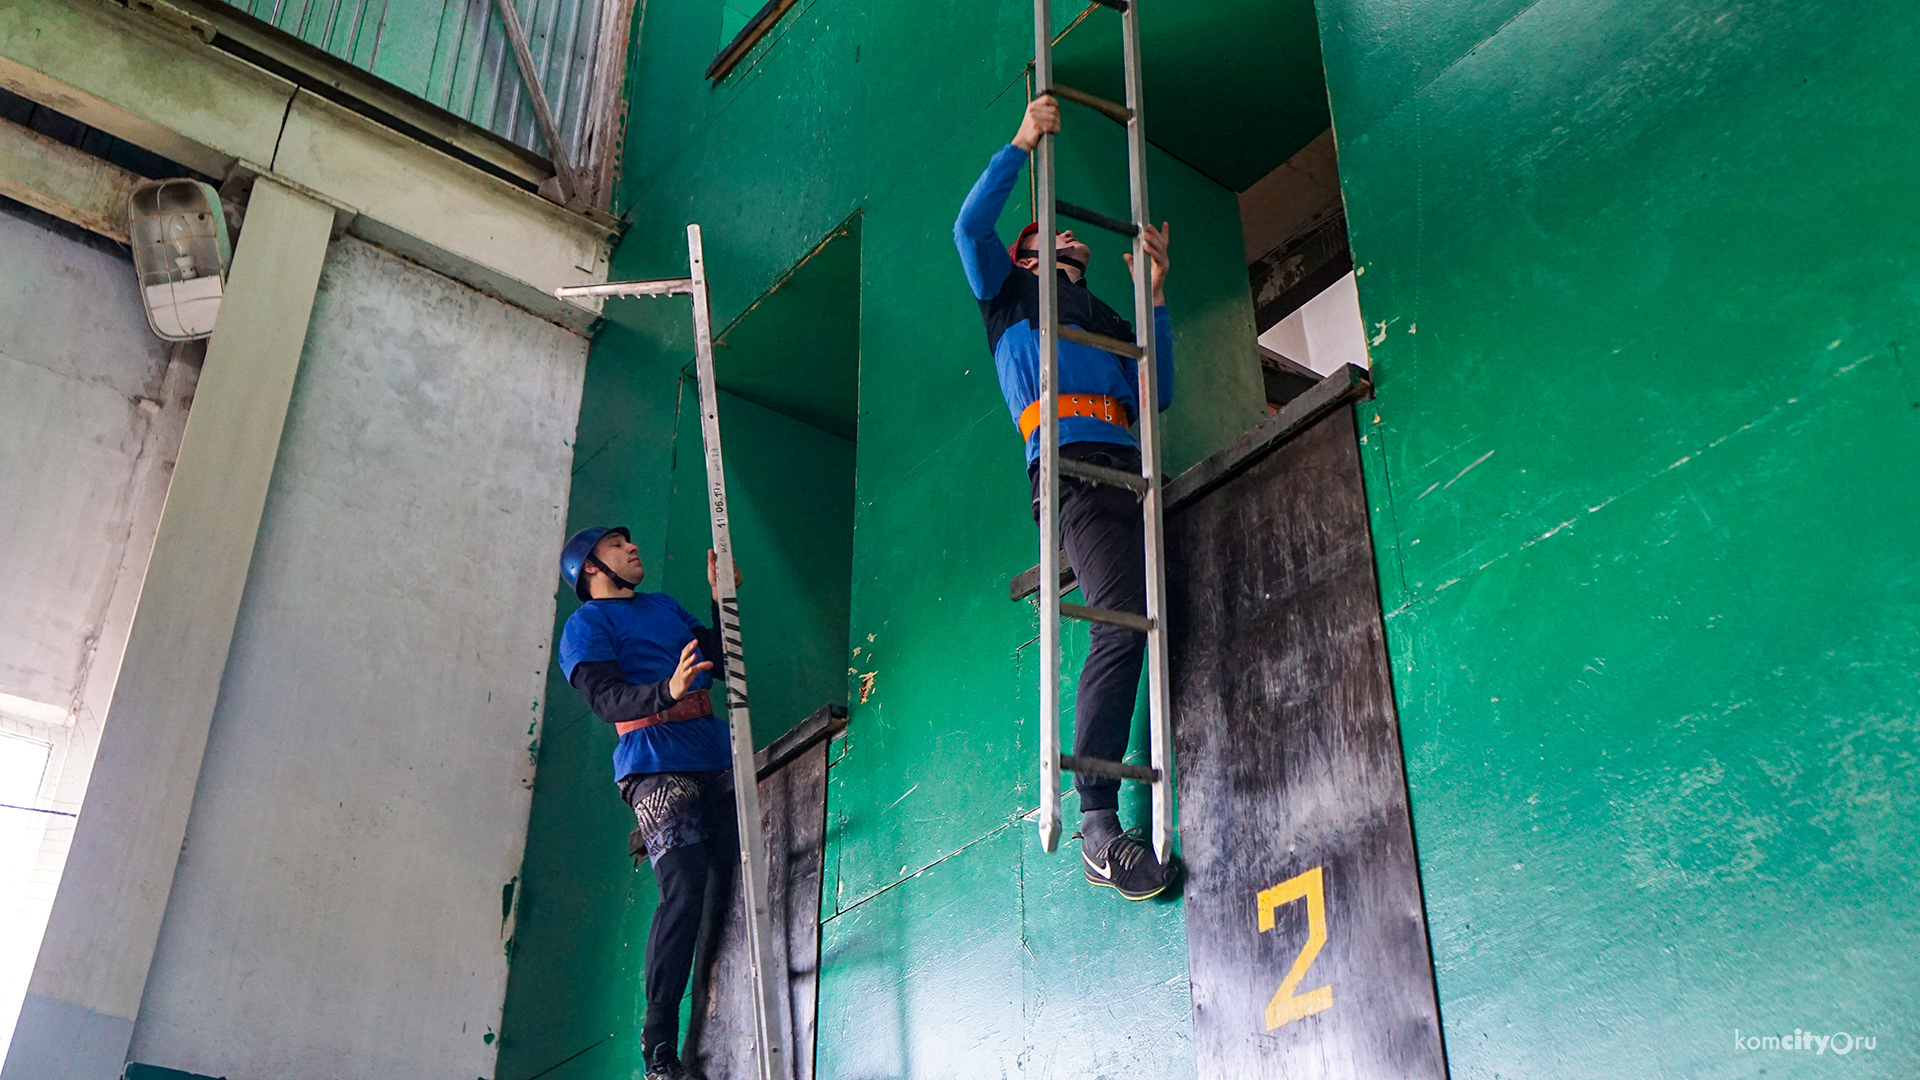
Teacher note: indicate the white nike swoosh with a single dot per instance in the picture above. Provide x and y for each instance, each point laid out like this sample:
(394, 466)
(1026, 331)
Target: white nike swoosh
(1102, 867)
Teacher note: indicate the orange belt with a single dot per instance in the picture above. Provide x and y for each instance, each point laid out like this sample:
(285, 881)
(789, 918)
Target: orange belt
(691, 707)
(1098, 406)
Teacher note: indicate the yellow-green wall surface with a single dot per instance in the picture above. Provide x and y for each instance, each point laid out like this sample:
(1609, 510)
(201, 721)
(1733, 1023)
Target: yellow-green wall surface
(1641, 280)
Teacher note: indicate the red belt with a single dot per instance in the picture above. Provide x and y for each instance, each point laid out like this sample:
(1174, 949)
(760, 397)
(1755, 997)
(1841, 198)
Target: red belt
(691, 707)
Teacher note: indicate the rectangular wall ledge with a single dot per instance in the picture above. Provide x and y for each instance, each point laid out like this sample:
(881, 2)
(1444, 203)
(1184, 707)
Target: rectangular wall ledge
(1343, 387)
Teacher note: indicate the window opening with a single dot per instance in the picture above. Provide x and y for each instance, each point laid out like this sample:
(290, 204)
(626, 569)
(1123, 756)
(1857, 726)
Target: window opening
(787, 372)
(1300, 270)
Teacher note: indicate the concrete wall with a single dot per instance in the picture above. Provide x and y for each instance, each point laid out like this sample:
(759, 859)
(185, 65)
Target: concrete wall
(1640, 277)
(83, 382)
(91, 410)
(338, 907)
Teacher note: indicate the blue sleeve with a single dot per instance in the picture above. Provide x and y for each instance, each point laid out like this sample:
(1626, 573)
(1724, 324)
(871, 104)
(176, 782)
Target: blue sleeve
(982, 254)
(1163, 360)
(583, 639)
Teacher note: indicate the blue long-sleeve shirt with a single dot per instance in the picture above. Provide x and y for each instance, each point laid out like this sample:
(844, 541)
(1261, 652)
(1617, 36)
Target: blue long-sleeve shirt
(1009, 299)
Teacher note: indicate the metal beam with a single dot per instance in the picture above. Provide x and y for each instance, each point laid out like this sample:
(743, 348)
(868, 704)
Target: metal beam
(607, 104)
(100, 938)
(134, 77)
(236, 32)
(442, 213)
(542, 110)
(74, 186)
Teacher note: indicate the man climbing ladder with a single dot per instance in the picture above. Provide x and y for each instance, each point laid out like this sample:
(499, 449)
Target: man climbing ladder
(1100, 523)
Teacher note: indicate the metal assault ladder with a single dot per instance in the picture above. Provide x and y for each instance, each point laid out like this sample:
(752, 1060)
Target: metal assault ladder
(770, 999)
(1145, 486)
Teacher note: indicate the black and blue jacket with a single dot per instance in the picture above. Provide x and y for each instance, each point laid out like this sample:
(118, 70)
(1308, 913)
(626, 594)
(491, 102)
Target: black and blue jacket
(1010, 303)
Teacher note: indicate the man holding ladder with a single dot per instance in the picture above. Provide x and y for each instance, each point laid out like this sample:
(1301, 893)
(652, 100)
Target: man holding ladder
(651, 654)
(1101, 527)
(640, 661)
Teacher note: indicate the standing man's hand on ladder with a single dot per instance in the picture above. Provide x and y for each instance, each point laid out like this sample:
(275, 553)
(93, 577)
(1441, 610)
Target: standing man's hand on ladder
(1043, 118)
(1157, 255)
(713, 573)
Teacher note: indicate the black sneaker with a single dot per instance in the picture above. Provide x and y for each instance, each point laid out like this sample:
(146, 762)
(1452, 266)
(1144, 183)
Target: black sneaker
(665, 1065)
(1127, 866)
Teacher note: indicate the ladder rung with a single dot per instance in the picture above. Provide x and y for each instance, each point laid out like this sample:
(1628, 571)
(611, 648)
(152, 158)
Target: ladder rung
(1102, 341)
(1095, 217)
(1118, 770)
(1125, 619)
(662, 287)
(1098, 104)
(1100, 474)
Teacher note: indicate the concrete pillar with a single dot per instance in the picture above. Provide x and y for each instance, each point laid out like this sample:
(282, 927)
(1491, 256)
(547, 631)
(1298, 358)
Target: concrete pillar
(93, 962)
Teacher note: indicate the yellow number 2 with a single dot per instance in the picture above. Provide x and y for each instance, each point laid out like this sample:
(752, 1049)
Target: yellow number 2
(1288, 1006)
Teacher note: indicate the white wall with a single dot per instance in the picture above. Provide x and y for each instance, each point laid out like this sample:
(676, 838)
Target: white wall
(1326, 333)
(337, 907)
(91, 410)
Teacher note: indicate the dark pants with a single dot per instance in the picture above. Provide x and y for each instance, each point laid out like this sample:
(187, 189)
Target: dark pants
(1101, 531)
(687, 830)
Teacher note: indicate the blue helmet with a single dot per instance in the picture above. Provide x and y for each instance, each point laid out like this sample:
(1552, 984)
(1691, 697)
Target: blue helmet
(579, 549)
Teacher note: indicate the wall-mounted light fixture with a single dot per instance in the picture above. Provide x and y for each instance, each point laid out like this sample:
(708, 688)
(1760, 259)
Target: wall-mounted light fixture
(180, 249)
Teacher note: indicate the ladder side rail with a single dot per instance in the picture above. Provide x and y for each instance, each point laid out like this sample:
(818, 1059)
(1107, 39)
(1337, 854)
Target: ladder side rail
(1049, 363)
(1159, 692)
(769, 1024)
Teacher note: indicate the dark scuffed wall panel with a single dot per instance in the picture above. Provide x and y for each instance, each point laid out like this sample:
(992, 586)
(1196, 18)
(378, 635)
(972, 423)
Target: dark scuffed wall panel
(720, 1036)
(1292, 791)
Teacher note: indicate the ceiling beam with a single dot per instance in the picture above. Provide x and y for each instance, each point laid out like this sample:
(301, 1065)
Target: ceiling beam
(57, 179)
(165, 89)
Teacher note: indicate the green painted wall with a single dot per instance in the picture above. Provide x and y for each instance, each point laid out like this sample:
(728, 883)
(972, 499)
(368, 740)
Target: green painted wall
(1641, 280)
(951, 944)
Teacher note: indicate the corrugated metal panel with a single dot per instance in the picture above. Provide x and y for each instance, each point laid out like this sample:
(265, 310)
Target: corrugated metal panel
(455, 54)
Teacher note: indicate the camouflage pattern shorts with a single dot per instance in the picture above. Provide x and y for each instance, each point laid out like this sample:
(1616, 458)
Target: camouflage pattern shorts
(675, 809)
